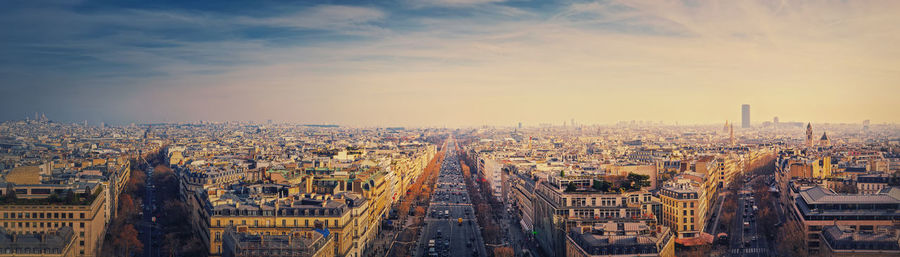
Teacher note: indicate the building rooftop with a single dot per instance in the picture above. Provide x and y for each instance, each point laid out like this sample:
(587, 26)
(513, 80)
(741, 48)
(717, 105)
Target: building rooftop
(820, 195)
(846, 238)
(52, 242)
(621, 238)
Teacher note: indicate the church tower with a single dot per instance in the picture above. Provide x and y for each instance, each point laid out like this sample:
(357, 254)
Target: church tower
(809, 135)
(731, 131)
(823, 141)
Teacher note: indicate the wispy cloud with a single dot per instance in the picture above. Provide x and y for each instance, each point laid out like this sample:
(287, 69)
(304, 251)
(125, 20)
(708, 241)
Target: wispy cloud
(452, 3)
(498, 63)
(342, 19)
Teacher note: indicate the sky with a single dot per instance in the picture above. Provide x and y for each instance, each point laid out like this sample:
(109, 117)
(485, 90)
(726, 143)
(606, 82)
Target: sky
(450, 62)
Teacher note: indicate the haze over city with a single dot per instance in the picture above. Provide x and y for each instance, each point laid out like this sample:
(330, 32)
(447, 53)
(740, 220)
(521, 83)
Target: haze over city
(450, 62)
(450, 128)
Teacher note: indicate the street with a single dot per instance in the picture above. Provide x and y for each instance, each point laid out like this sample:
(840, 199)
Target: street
(451, 228)
(146, 228)
(745, 238)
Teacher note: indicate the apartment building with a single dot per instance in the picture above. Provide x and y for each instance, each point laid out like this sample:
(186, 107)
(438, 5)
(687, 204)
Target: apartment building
(280, 217)
(565, 202)
(684, 206)
(818, 208)
(317, 243)
(57, 243)
(621, 239)
(85, 214)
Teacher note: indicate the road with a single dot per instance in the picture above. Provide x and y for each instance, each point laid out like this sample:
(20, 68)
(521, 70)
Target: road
(147, 218)
(746, 240)
(450, 202)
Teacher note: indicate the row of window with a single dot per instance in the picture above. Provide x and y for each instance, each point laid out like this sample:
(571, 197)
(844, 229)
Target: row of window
(41, 215)
(604, 201)
(284, 223)
(40, 225)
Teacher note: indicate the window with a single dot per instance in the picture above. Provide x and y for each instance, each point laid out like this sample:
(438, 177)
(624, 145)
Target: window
(692, 204)
(81, 224)
(81, 215)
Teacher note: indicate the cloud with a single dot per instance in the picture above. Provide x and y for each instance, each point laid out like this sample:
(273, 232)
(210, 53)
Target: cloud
(341, 19)
(452, 3)
(647, 60)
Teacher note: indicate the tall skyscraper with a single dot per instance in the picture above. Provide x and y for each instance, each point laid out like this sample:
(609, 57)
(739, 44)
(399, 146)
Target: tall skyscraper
(745, 116)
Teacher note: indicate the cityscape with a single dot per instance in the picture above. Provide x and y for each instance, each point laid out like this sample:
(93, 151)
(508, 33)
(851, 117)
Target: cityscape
(445, 128)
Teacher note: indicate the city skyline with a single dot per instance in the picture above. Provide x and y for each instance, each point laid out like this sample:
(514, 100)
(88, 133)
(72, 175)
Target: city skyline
(450, 63)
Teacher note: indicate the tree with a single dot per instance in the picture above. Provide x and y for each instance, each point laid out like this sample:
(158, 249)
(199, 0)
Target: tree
(617, 182)
(491, 233)
(698, 251)
(571, 187)
(790, 242)
(137, 182)
(767, 220)
(420, 211)
(126, 205)
(127, 240)
(10, 193)
(504, 252)
(845, 188)
(70, 196)
(637, 181)
(601, 185)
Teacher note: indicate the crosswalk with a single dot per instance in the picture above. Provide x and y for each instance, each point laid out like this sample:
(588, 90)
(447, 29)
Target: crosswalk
(749, 250)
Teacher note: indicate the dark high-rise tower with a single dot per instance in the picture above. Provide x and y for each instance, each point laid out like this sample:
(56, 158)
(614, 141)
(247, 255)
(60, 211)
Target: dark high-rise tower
(745, 116)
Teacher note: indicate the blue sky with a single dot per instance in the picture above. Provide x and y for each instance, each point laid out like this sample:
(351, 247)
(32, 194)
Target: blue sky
(449, 62)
